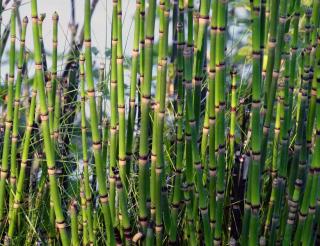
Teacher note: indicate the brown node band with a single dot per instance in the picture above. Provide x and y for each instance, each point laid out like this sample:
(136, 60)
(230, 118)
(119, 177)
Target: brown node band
(158, 170)
(44, 116)
(96, 145)
(135, 52)
(256, 54)
(103, 199)
(159, 228)
(51, 170)
(282, 19)
(272, 42)
(60, 225)
(220, 66)
(203, 19)
(38, 66)
(204, 210)
(91, 93)
(16, 204)
(87, 43)
(122, 162)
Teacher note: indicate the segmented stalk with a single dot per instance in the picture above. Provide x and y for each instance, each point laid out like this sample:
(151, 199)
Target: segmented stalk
(96, 140)
(133, 89)
(121, 101)
(24, 158)
(86, 182)
(220, 105)
(74, 223)
(16, 121)
(212, 115)
(313, 48)
(177, 192)
(49, 151)
(9, 115)
(52, 85)
(113, 113)
(159, 119)
(273, 42)
(200, 56)
(145, 109)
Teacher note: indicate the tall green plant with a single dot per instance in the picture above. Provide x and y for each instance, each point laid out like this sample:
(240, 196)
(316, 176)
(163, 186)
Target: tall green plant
(96, 139)
(39, 76)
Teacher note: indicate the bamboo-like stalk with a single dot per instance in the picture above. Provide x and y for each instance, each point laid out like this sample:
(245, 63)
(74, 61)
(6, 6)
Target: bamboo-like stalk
(85, 237)
(113, 120)
(188, 187)
(105, 139)
(43, 51)
(293, 209)
(100, 93)
(125, 219)
(155, 187)
(314, 52)
(177, 192)
(121, 100)
(202, 205)
(254, 178)
(270, 104)
(52, 95)
(301, 117)
(189, 172)
(307, 204)
(74, 223)
(280, 145)
(220, 105)
(233, 108)
(145, 109)
(21, 178)
(200, 55)
(212, 115)
(57, 111)
(96, 139)
(133, 89)
(284, 100)
(86, 182)
(122, 185)
(15, 127)
(159, 118)
(311, 189)
(26, 87)
(9, 115)
(142, 55)
(293, 61)
(272, 43)
(39, 76)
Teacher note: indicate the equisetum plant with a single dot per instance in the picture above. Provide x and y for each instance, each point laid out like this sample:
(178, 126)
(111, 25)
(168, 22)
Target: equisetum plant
(195, 138)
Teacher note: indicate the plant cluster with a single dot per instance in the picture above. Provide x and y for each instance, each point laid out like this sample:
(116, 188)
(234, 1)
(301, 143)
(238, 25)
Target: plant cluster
(184, 151)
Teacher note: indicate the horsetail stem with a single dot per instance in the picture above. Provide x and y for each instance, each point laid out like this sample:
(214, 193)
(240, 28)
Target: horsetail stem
(96, 139)
(52, 95)
(145, 109)
(74, 223)
(220, 105)
(54, 190)
(9, 116)
(87, 189)
(133, 89)
(15, 128)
